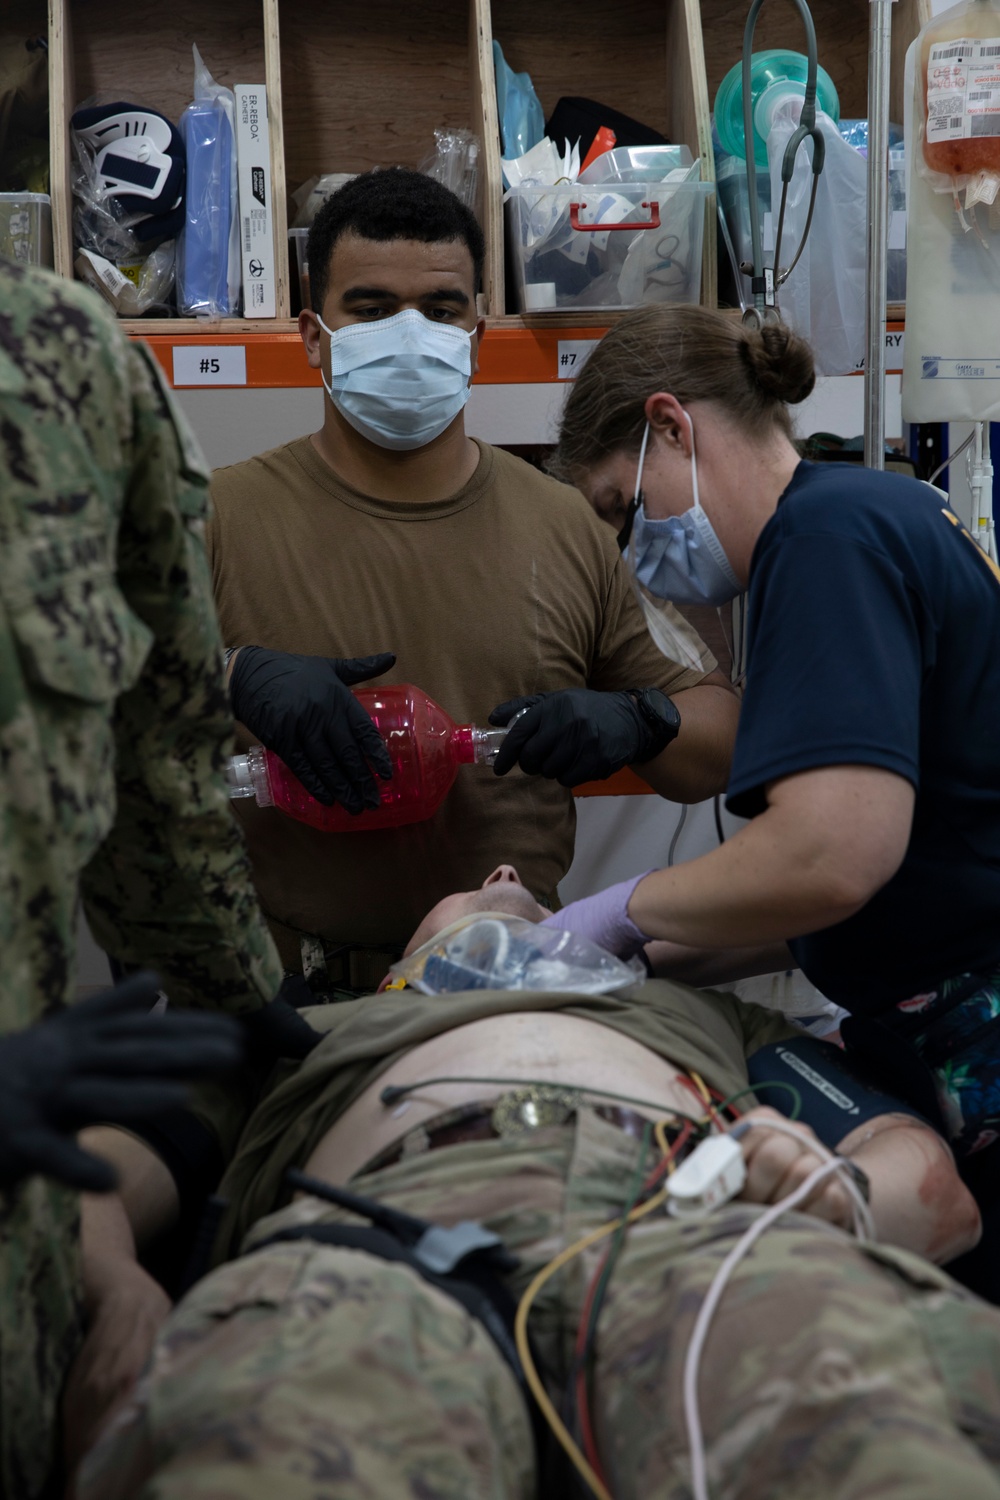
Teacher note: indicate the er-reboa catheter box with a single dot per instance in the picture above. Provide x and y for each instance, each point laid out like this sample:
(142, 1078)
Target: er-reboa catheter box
(253, 158)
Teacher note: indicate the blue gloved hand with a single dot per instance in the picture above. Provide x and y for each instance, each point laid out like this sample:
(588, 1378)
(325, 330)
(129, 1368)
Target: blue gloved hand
(105, 1058)
(604, 919)
(302, 708)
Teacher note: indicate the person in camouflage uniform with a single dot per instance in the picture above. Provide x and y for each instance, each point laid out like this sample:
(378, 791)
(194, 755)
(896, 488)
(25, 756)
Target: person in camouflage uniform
(114, 724)
(317, 1371)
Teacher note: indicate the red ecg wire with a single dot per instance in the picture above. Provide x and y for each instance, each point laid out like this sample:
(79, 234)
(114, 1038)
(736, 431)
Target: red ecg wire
(589, 1442)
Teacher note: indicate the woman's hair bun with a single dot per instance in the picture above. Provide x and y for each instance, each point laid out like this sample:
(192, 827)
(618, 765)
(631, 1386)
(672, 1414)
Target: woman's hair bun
(781, 362)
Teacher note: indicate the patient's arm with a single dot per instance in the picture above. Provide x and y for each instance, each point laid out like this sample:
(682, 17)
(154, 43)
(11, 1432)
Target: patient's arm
(918, 1199)
(704, 967)
(124, 1305)
(146, 1190)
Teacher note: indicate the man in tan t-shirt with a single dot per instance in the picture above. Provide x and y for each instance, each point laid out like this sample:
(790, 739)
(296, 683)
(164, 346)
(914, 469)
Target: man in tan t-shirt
(391, 530)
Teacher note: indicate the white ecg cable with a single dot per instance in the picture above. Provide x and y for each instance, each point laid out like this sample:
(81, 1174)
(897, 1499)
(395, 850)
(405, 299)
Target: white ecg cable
(864, 1229)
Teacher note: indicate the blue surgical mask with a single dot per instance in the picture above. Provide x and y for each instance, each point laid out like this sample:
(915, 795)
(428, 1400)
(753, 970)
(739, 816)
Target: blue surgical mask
(680, 558)
(399, 381)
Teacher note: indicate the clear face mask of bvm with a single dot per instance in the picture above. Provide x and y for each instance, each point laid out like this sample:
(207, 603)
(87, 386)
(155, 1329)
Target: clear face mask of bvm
(497, 951)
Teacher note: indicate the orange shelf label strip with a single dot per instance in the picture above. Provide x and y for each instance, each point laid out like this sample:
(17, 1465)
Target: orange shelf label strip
(507, 356)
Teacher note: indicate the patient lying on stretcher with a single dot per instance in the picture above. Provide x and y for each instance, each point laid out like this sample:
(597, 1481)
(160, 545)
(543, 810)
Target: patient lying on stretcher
(298, 1362)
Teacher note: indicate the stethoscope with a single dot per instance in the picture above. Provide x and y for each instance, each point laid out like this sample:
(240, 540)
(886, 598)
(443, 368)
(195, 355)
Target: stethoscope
(765, 280)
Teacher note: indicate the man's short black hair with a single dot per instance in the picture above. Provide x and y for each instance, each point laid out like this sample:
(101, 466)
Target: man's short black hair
(390, 204)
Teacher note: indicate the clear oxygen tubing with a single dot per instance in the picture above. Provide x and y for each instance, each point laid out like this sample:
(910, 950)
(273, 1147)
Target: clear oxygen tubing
(766, 280)
(879, 58)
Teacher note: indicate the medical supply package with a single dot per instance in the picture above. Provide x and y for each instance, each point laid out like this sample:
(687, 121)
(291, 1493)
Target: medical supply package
(253, 159)
(208, 257)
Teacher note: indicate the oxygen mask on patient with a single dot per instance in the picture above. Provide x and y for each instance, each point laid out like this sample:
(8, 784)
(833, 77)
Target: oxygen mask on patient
(495, 951)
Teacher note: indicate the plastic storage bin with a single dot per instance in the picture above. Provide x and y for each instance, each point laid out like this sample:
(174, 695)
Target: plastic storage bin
(26, 228)
(637, 164)
(598, 246)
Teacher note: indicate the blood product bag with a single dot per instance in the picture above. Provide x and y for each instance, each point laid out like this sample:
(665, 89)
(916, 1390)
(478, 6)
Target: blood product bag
(951, 360)
(960, 99)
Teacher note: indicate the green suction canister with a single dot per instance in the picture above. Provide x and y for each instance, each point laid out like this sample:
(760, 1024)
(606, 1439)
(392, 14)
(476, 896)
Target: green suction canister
(775, 76)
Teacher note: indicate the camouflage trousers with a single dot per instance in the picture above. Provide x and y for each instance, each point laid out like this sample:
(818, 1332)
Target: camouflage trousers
(319, 1373)
(41, 1330)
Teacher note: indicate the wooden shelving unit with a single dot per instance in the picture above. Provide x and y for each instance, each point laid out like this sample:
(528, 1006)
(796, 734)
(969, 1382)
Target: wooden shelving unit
(364, 83)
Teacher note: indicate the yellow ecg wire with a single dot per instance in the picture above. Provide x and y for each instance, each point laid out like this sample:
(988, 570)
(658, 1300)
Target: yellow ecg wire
(524, 1307)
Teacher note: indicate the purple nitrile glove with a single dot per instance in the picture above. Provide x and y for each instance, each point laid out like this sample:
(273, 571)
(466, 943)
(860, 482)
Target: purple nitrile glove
(604, 919)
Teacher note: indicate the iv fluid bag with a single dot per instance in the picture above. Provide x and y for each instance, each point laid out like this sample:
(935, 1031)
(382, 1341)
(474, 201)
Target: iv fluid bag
(951, 358)
(824, 297)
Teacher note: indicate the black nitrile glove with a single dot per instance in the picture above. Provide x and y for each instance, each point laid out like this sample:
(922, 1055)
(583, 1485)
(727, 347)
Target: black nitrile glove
(277, 1030)
(302, 708)
(578, 734)
(106, 1058)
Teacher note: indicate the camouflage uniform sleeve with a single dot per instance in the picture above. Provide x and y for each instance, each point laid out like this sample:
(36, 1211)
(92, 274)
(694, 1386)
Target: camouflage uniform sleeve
(170, 887)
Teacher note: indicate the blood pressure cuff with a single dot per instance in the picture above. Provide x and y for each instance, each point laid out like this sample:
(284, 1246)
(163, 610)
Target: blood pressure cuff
(837, 1093)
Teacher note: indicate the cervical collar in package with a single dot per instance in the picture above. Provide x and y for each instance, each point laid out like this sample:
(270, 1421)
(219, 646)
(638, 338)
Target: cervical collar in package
(139, 157)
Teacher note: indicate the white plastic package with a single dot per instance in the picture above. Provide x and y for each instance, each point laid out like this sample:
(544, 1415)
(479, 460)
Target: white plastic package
(824, 297)
(132, 287)
(495, 951)
(313, 193)
(209, 270)
(454, 162)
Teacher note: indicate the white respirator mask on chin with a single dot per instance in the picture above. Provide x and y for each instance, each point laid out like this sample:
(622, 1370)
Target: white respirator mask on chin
(680, 558)
(399, 381)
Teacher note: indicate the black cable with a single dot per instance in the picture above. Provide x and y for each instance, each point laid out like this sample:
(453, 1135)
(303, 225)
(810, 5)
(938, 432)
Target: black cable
(677, 833)
(717, 804)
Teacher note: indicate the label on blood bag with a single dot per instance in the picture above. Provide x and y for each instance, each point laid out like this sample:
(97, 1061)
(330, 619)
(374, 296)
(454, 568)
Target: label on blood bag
(210, 364)
(963, 89)
(573, 355)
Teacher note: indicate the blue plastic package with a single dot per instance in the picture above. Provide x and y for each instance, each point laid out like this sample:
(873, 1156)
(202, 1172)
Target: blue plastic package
(208, 260)
(855, 133)
(208, 142)
(522, 121)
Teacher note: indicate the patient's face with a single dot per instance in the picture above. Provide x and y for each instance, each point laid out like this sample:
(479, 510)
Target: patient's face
(501, 891)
